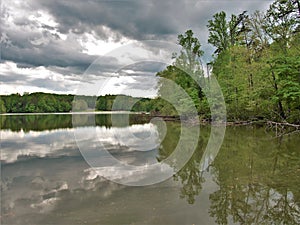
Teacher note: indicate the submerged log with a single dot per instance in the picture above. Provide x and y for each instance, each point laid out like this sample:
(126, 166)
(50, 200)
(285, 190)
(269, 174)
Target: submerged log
(283, 124)
(282, 129)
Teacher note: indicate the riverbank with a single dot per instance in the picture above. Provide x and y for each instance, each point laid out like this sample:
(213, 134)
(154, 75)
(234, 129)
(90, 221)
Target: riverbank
(74, 113)
(200, 121)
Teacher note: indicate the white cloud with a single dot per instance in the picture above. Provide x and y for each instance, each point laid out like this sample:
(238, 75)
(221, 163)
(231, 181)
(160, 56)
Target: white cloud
(95, 46)
(34, 79)
(43, 18)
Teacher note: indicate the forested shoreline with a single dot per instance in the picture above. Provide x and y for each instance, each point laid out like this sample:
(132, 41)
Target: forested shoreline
(256, 63)
(49, 103)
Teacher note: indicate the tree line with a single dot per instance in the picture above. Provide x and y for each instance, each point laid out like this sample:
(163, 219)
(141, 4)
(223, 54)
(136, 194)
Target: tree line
(49, 103)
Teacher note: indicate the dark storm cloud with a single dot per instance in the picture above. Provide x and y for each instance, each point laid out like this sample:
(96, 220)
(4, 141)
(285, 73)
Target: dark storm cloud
(30, 43)
(61, 55)
(35, 49)
(139, 19)
(11, 78)
(142, 20)
(48, 84)
(150, 66)
(143, 73)
(134, 19)
(47, 56)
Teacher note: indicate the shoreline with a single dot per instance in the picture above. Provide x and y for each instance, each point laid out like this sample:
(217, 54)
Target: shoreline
(167, 118)
(76, 113)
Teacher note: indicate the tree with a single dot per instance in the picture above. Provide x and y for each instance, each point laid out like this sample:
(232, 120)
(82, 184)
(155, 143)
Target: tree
(186, 72)
(2, 106)
(189, 58)
(223, 34)
(218, 32)
(282, 21)
(258, 38)
(282, 24)
(79, 105)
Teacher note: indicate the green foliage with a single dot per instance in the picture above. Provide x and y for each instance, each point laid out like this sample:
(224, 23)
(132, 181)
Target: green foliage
(79, 105)
(171, 91)
(218, 32)
(284, 66)
(180, 82)
(189, 58)
(37, 102)
(222, 33)
(282, 20)
(124, 103)
(2, 106)
(259, 76)
(47, 103)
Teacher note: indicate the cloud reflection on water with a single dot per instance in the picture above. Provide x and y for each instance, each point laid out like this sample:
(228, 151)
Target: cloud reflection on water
(39, 167)
(21, 145)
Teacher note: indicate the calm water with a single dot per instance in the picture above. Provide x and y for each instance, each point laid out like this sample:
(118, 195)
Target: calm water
(255, 178)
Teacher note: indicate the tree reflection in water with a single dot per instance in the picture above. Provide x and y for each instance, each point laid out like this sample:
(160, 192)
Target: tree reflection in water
(44, 122)
(258, 176)
(190, 176)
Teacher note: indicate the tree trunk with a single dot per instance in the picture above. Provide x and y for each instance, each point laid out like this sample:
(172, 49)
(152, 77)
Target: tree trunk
(280, 107)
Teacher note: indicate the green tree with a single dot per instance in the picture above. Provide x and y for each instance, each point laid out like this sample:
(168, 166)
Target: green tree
(79, 105)
(2, 106)
(186, 72)
(282, 20)
(257, 36)
(223, 33)
(283, 26)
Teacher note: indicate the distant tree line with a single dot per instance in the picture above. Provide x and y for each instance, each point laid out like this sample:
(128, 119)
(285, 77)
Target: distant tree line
(35, 102)
(49, 103)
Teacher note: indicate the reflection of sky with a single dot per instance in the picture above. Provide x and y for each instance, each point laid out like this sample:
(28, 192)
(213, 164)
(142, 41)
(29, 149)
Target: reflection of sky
(134, 138)
(62, 191)
(135, 145)
(38, 166)
(21, 145)
(17, 145)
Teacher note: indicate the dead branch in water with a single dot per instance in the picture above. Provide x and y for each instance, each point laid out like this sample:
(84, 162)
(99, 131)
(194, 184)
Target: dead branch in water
(282, 129)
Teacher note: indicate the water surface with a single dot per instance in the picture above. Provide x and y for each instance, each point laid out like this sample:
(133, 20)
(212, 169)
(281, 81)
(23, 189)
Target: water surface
(254, 179)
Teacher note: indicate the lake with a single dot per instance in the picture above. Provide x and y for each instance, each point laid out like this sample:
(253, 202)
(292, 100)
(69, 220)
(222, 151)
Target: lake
(47, 177)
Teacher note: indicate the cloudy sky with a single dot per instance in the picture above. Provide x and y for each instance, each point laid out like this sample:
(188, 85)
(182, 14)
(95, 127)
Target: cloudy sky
(61, 46)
